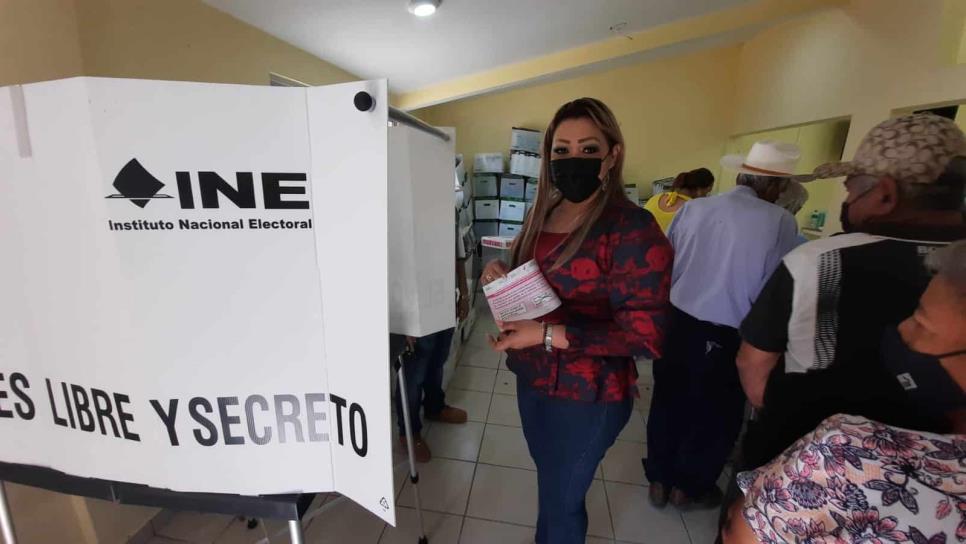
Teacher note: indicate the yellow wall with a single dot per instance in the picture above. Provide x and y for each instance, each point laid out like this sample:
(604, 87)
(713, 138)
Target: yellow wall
(861, 61)
(171, 39)
(819, 142)
(675, 113)
(39, 40)
(188, 40)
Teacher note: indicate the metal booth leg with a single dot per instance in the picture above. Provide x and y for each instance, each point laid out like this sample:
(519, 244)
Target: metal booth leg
(6, 520)
(413, 475)
(295, 531)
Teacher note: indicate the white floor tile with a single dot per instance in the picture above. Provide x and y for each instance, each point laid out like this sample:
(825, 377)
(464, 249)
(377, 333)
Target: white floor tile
(598, 514)
(504, 494)
(635, 430)
(478, 531)
(474, 378)
(622, 463)
(460, 442)
(506, 383)
(440, 528)
(505, 446)
(503, 363)
(476, 403)
(444, 486)
(196, 527)
(702, 525)
(400, 475)
(480, 356)
(635, 520)
(504, 411)
(344, 523)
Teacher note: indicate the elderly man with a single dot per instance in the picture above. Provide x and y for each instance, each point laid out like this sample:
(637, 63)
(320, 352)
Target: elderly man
(813, 339)
(725, 247)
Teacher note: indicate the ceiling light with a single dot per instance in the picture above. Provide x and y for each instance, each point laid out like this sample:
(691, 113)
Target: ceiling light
(423, 8)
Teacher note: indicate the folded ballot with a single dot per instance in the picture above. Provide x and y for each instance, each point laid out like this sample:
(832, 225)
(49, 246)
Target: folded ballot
(522, 294)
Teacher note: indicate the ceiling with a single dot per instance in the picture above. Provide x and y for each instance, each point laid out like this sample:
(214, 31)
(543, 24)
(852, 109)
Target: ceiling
(380, 38)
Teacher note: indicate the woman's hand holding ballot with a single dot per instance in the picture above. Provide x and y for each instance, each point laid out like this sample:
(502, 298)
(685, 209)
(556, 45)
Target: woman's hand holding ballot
(494, 270)
(526, 334)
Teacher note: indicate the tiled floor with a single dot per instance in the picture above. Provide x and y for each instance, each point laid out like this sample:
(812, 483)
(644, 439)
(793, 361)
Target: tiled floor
(481, 487)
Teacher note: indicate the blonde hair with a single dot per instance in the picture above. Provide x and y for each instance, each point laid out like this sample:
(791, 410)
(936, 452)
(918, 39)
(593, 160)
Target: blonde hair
(547, 199)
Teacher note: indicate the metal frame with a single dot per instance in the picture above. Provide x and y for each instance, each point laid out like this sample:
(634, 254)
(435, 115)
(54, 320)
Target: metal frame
(6, 521)
(402, 117)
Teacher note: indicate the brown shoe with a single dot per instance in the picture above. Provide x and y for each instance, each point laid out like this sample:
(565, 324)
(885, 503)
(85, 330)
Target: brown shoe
(420, 449)
(708, 501)
(449, 414)
(658, 495)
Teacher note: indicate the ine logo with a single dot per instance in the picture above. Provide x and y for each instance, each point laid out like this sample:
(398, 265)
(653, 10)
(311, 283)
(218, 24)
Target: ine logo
(279, 190)
(137, 185)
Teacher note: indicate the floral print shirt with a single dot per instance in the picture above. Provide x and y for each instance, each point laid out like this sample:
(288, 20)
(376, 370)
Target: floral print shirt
(615, 300)
(853, 480)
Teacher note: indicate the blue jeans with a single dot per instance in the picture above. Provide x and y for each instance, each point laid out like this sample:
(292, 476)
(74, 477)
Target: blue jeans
(567, 440)
(424, 379)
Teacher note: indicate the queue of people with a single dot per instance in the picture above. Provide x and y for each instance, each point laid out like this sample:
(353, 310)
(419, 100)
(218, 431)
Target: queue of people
(735, 309)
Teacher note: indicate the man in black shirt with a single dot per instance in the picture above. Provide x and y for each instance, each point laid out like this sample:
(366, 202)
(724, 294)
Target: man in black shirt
(811, 340)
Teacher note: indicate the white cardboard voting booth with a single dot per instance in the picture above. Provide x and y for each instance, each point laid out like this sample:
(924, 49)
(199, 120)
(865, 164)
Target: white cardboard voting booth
(195, 287)
(422, 232)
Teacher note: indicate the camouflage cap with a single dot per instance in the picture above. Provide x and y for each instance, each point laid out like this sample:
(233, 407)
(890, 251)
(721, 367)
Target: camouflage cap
(912, 148)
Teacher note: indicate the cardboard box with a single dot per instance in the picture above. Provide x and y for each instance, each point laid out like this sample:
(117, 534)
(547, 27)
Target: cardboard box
(512, 210)
(496, 247)
(510, 228)
(498, 242)
(530, 192)
(485, 185)
(632, 193)
(526, 139)
(512, 186)
(525, 164)
(486, 227)
(488, 162)
(486, 208)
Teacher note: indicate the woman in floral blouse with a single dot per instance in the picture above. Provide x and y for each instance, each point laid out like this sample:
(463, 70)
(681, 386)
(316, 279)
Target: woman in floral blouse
(610, 264)
(853, 480)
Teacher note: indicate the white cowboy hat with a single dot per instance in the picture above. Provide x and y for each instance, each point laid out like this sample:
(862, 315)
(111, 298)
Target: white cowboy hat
(767, 158)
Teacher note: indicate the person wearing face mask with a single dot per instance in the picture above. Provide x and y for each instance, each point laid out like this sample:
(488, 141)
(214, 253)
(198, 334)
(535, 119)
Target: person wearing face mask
(610, 265)
(687, 186)
(814, 336)
(724, 248)
(857, 478)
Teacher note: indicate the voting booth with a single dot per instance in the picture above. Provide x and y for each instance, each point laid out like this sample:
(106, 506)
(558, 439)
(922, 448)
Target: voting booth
(422, 231)
(195, 295)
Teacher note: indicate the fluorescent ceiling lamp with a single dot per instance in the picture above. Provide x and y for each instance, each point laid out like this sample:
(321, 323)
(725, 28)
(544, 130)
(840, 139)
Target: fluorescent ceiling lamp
(423, 8)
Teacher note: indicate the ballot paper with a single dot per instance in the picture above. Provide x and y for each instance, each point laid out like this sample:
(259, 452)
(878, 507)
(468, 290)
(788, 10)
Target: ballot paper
(522, 294)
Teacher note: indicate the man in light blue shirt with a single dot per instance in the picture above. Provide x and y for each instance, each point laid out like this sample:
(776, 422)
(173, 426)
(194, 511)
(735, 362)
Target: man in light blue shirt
(725, 249)
(727, 246)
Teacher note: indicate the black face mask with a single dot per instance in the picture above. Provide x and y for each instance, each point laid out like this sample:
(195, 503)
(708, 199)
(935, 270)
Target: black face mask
(576, 178)
(847, 225)
(928, 386)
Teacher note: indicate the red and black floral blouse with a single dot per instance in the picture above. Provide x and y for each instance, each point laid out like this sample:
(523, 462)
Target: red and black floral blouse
(615, 300)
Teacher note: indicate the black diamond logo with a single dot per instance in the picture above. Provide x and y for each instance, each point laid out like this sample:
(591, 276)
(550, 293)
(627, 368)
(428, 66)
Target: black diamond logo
(136, 184)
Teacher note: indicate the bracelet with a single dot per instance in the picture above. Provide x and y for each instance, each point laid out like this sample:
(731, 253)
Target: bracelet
(548, 337)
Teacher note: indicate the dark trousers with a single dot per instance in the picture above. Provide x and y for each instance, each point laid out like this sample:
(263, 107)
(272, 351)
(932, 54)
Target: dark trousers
(424, 379)
(567, 440)
(697, 407)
